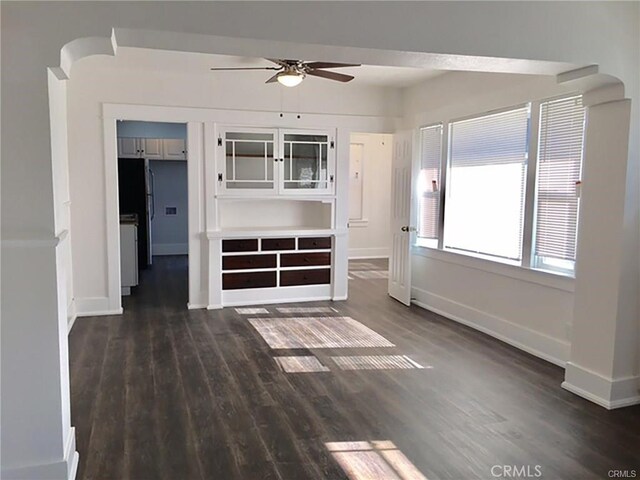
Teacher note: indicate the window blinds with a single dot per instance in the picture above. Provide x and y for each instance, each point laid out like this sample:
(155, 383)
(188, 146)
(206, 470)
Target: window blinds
(486, 180)
(429, 181)
(559, 166)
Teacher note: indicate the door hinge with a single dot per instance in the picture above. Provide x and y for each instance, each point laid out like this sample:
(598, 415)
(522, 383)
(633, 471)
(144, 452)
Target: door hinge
(332, 144)
(219, 141)
(331, 178)
(219, 177)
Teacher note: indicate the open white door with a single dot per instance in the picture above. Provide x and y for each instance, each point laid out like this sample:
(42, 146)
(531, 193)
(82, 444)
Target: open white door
(400, 260)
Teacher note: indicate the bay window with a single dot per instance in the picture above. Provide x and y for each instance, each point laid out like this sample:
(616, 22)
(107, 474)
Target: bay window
(481, 209)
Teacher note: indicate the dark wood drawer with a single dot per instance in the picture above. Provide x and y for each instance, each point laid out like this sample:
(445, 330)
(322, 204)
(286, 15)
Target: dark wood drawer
(278, 244)
(302, 259)
(235, 281)
(290, 278)
(240, 245)
(239, 262)
(312, 243)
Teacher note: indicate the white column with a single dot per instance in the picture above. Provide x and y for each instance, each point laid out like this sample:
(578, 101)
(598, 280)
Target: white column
(38, 441)
(341, 239)
(603, 365)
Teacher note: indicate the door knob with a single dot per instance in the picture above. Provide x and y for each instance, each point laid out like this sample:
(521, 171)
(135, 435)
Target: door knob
(407, 228)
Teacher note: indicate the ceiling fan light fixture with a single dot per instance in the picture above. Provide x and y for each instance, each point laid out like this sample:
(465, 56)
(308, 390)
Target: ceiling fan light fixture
(290, 78)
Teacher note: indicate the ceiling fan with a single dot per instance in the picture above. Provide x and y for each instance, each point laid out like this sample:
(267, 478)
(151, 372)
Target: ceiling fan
(292, 72)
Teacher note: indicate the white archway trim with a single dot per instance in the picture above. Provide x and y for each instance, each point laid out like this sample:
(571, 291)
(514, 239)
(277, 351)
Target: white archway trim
(84, 47)
(221, 45)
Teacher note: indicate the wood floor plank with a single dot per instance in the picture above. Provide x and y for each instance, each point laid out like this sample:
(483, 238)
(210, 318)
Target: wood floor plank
(162, 392)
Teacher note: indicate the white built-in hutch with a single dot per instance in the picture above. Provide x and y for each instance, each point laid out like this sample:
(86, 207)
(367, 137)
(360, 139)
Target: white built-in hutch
(274, 232)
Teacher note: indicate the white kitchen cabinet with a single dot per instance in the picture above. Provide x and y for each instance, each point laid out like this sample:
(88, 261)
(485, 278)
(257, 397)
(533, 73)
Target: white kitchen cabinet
(128, 257)
(263, 161)
(174, 149)
(152, 148)
(129, 147)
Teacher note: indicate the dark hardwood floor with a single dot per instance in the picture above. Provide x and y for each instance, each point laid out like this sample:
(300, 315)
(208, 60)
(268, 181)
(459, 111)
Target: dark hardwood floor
(166, 393)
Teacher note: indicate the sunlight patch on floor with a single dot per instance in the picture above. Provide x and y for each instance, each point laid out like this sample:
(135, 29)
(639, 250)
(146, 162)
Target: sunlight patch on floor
(303, 364)
(376, 362)
(306, 310)
(370, 274)
(375, 460)
(317, 332)
(251, 311)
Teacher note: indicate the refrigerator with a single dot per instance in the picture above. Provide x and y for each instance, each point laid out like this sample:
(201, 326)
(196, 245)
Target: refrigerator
(135, 191)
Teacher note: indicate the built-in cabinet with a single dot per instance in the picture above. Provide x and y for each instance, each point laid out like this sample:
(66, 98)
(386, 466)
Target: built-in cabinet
(152, 148)
(263, 161)
(272, 225)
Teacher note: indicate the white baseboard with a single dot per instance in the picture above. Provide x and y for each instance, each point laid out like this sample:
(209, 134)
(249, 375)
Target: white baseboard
(71, 315)
(262, 296)
(609, 393)
(170, 248)
(63, 469)
(548, 348)
(362, 253)
(94, 307)
(196, 306)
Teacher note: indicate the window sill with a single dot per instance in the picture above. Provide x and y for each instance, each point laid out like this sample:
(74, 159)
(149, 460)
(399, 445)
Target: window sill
(359, 223)
(554, 280)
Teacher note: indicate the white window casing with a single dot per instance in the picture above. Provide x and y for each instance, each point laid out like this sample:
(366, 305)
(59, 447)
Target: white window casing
(560, 151)
(486, 184)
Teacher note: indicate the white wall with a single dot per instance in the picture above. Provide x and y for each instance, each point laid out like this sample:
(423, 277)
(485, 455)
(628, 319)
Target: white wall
(371, 237)
(104, 79)
(532, 310)
(169, 233)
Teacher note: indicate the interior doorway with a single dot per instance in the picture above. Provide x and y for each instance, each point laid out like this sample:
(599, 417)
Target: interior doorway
(152, 197)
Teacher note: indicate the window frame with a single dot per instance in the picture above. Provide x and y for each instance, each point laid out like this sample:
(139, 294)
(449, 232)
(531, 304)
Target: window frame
(536, 262)
(527, 262)
(489, 257)
(444, 140)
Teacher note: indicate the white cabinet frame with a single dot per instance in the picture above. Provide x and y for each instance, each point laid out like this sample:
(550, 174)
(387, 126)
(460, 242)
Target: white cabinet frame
(278, 159)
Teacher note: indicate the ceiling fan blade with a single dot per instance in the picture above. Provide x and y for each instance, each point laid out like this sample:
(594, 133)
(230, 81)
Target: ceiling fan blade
(330, 65)
(273, 79)
(339, 77)
(244, 68)
(277, 61)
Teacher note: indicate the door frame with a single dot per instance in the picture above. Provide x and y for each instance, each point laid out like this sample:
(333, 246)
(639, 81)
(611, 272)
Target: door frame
(195, 178)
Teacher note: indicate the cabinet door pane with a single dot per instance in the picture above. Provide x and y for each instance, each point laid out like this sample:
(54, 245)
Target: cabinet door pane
(305, 161)
(249, 160)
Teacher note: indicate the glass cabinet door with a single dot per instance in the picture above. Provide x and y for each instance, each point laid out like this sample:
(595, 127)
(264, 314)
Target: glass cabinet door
(305, 163)
(249, 160)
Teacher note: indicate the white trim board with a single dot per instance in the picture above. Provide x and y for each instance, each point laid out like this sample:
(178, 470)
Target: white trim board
(609, 393)
(262, 296)
(170, 249)
(530, 341)
(95, 306)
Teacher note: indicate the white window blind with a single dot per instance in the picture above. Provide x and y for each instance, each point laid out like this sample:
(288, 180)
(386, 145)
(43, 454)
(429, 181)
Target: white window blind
(486, 179)
(429, 182)
(559, 166)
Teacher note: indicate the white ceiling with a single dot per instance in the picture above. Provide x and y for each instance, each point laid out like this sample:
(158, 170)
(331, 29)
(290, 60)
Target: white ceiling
(196, 63)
